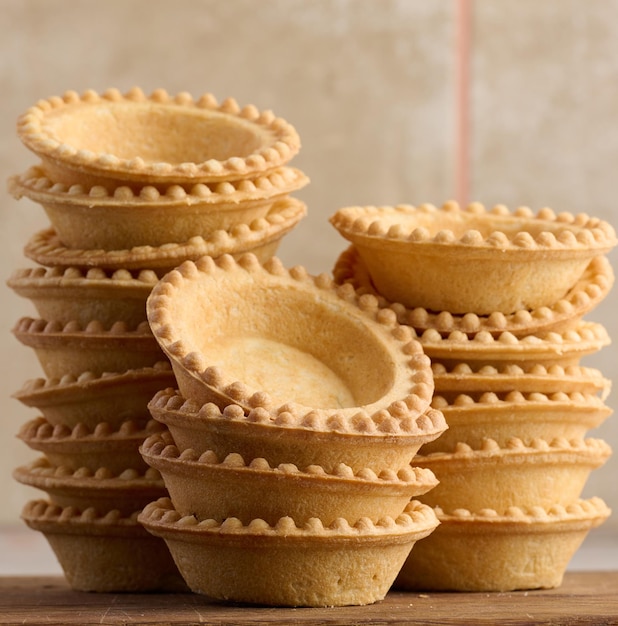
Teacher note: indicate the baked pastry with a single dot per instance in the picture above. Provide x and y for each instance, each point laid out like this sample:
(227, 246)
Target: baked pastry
(73, 348)
(154, 139)
(360, 442)
(88, 398)
(289, 565)
(104, 551)
(127, 491)
(116, 217)
(527, 378)
(435, 257)
(212, 487)
(540, 473)
(251, 328)
(591, 289)
(549, 349)
(261, 237)
(474, 416)
(90, 448)
(523, 548)
(67, 294)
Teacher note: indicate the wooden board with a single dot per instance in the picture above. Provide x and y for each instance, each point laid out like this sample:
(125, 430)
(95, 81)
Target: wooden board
(583, 598)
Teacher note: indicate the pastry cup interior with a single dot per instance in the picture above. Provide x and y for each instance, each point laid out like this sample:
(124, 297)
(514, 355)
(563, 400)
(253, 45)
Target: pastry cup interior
(261, 335)
(154, 138)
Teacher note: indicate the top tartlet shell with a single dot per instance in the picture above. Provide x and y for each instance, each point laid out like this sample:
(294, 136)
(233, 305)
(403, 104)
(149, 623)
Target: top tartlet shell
(173, 123)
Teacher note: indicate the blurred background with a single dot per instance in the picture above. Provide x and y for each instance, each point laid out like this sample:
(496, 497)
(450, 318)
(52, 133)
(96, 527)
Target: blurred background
(512, 102)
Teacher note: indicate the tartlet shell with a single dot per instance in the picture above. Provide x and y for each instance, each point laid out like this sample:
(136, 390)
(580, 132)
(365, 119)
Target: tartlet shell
(445, 259)
(468, 551)
(70, 349)
(583, 297)
(88, 398)
(261, 237)
(104, 551)
(210, 487)
(350, 337)
(118, 217)
(283, 438)
(284, 565)
(125, 125)
(539, 473)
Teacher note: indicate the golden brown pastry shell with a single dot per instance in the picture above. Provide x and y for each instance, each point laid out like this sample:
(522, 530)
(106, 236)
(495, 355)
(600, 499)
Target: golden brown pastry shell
(156, 139)
(261, 237)
(282, 438)
(89, 398)
(70, 349)
(459, 259)
(488, 552)
(210, 487)
(539, 473)
(104, 552)
(117, 217)
(287, 565)
(67, 294)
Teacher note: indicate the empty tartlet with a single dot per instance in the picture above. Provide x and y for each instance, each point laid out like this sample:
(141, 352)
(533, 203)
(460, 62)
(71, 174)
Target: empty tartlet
(523, 548)
(591, 289)
(474, 416)
(312, 565)
(459, 259)
(104, 551)
(261, 237)
(91, 448)
(362, 442)
(250, 328)
(538, 473)
(127, 491)
(211, 487)
(89, 398)
(548, 349)
(155, 139)
(116, 217)
(72, 293)
(73, 348)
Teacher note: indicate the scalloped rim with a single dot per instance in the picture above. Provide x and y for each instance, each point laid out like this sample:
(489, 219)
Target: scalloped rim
(578, 232)
(159, 448)
(427, 427)
(587, 293)
(41, 278)
(416, 518)
(584, 338)
(37, 387)
(535, 401)
(404, 349)
(37, 185)
(46, 248)
(42, 474)
(591, 509)
(38, 327)
(40, 432)
(464, 377)
(283, 141)
(585, 451)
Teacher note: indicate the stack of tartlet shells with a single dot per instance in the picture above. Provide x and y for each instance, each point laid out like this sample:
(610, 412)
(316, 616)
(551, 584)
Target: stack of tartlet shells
(287, 457)
(497, 298)
(132, 185)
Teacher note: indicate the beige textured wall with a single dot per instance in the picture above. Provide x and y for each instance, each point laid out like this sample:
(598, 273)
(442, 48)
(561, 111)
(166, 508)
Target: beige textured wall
(372, 87)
